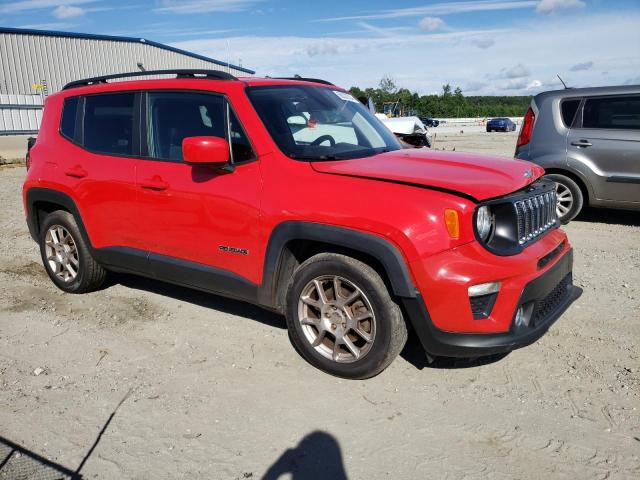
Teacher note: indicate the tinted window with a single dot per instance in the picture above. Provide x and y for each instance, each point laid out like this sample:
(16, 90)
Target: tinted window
(569, 109)
(317, 123)
(612, 112)
(108, 123)
(176, 116)
(68, 121)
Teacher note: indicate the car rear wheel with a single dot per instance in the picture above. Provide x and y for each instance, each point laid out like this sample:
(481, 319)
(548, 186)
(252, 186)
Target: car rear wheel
(569, 195)
(66, 256)
(341, 317)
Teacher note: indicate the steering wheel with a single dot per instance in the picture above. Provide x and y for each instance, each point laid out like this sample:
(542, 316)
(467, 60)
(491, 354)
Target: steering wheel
(323, 138)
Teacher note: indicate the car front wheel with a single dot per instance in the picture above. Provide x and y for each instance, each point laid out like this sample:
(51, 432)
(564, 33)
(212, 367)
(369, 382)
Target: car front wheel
(341, 317)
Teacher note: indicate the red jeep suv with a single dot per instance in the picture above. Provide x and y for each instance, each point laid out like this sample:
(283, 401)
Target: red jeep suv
(289, 194)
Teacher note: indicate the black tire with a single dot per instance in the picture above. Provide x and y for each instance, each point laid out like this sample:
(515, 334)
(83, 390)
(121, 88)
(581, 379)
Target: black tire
(390, 328)
(90, 275)
(574, 208)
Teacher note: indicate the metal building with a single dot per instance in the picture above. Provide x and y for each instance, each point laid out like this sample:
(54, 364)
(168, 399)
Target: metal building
(36, 63)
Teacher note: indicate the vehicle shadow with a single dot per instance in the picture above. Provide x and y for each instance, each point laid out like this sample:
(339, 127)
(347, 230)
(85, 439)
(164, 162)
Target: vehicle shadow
(416, 356)
(609, 216)
(412, 352)
(316, 457)
(196, 297)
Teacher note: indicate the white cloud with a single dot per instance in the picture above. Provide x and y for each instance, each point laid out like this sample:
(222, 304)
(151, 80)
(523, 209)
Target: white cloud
(27, 5)
(483, 42)
(449, 57)
(581, 66)
(550, 6)
(514, 84)
(64, 12)
(473, 87)
(382, 31)
(517, 71)
(442, 8)
(430, 24)
(205, 6)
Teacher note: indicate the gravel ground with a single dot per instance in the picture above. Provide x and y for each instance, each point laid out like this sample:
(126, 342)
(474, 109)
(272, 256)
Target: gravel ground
(213, 389)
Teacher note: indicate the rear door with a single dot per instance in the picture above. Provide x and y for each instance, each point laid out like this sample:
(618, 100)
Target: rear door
(99, 164)
(195, 217)
(606, 138)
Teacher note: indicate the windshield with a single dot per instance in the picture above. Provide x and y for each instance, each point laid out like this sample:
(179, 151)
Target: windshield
(317, 123)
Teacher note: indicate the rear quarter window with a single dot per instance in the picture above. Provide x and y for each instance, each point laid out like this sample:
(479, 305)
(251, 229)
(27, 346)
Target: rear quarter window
(68, 120)
(569, 109)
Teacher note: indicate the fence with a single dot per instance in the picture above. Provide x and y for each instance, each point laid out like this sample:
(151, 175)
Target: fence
(20, 114)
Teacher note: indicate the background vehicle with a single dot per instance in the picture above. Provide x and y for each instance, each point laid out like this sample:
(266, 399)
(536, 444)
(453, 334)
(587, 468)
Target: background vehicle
(291, 195)
(430, 122)
(588, 141)
(501, 125)
(410, 131)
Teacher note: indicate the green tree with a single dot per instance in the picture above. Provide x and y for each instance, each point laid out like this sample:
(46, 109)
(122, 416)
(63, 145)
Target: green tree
(388, 84)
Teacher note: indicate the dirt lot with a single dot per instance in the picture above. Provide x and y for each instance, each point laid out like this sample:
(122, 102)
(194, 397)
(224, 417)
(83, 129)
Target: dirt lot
(213, 389)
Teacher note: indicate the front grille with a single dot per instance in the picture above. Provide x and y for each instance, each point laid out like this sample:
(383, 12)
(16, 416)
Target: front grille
(536, 215)
(552, 301)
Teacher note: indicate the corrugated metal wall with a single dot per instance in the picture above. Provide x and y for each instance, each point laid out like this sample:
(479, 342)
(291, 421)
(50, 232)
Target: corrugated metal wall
(20, 114)
(27, 59)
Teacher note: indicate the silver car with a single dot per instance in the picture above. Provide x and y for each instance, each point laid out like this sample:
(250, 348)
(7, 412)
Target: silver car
(588, 141)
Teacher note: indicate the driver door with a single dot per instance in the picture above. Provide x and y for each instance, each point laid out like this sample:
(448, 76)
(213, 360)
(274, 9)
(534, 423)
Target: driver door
(195, 218)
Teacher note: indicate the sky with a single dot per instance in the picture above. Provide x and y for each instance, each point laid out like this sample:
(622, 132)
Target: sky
(486, 47)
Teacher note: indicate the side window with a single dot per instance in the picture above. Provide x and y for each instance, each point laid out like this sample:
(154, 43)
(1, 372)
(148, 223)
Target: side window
(174, 116)
(68, 120)
(569, 109)
(240, 145)
(108, 123)
(612, 113)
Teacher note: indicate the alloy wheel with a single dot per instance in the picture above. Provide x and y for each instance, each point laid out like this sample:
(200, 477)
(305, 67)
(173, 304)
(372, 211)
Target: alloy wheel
(61, 253)
(564, 200)
(337, 318)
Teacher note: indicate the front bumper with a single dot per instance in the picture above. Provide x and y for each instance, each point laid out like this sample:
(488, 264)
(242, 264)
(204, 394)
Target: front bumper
(546, 297)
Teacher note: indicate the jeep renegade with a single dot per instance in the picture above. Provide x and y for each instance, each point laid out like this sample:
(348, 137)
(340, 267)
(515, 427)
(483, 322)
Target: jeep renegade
(289, 194)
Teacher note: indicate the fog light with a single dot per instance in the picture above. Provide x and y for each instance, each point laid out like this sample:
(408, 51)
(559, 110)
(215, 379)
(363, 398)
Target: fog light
(484, 289)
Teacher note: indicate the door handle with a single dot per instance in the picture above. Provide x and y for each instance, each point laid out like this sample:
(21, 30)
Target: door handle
(582, 143)
(76, 172)
(154, 183)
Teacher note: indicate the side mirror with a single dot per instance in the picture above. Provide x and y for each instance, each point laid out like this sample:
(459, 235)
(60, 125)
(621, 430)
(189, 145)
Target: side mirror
(211, 151)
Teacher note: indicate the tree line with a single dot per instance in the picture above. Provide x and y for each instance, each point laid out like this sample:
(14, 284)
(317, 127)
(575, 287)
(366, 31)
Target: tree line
(449, 104)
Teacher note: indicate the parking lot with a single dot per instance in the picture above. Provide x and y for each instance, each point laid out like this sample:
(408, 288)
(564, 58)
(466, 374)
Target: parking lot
(212, 388)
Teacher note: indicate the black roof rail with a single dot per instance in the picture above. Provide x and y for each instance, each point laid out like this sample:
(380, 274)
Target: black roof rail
(305, 79)
(179, 73)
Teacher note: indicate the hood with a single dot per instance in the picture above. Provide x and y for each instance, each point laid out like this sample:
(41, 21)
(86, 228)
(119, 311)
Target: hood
(477, 176)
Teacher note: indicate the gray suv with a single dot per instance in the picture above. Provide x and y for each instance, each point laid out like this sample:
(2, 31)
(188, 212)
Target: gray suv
(588, 141)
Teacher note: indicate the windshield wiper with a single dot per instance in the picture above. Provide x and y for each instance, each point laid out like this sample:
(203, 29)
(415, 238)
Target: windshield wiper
(314, 157)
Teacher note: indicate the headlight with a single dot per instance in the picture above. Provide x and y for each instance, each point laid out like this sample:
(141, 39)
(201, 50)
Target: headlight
(484, 222)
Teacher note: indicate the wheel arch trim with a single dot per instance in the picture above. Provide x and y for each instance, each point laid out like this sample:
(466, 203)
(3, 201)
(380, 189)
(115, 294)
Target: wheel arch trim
(368, 243)
(38, 194)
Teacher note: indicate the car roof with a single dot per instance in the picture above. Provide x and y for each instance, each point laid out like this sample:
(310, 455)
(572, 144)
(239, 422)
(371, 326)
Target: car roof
(587, 92)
